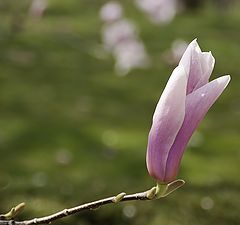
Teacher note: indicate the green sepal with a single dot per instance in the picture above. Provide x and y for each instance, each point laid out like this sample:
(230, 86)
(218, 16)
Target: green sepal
(174, 186)
(162, 190)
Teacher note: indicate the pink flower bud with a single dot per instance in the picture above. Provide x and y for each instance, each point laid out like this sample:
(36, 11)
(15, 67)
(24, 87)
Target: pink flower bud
(184, 102)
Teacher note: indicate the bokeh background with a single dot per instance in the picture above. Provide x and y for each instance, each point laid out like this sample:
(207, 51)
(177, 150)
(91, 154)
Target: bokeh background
(72, 130)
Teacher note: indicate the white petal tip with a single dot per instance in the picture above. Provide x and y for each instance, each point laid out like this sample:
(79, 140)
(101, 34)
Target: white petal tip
(224, 80)
(194, 40)
(228, 78)
(194, 45)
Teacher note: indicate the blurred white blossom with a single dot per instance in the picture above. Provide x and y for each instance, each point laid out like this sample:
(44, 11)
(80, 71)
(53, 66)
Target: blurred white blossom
(159, 11)
(111, 11)
(120, 38)
(174, 54)
(178, 48)
(117, 32)
(37, 8)
(129, 55)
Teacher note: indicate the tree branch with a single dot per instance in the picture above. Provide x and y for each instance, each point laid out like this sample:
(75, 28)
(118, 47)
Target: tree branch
(159, 191)
(122, 197)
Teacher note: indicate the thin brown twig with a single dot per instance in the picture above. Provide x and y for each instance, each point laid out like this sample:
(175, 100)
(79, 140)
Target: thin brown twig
(87, 206)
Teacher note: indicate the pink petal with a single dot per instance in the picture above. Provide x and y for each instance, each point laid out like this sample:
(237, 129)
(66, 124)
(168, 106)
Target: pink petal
(198, 65)
(207, 62)
(197, 105)
(167, 120)
(187, 55)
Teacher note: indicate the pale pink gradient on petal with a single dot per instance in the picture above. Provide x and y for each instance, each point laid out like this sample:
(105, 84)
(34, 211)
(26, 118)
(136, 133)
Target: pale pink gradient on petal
(207, 65)
(197, 105)
(177, 116)
(167, 120)
(187, 55)
(198, 64)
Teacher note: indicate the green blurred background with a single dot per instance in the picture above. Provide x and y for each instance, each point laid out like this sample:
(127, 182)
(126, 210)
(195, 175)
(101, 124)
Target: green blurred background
(71, 131)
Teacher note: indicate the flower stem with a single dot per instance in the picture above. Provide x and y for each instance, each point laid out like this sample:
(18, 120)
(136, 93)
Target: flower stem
(161, 190)
(122, 197)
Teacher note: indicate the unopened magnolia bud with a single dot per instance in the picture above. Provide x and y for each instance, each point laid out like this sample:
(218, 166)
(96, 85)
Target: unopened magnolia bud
(184, 102)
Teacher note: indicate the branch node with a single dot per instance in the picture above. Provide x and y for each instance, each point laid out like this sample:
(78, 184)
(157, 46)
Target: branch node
(151, 194)
(65, 212)
(11, 222)
(119, 197)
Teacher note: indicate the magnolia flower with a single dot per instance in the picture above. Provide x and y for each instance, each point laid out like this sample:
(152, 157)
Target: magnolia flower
(184, 102)
(117, 33)
(129, 55)
(111, 12)
(159, 11)
(120, 38)
(37, 8)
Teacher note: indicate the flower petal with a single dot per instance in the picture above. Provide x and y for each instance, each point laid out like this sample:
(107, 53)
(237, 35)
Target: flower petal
(187, 55)
(207, 62)
(197, 105)
(167, 120)
(198, 65)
